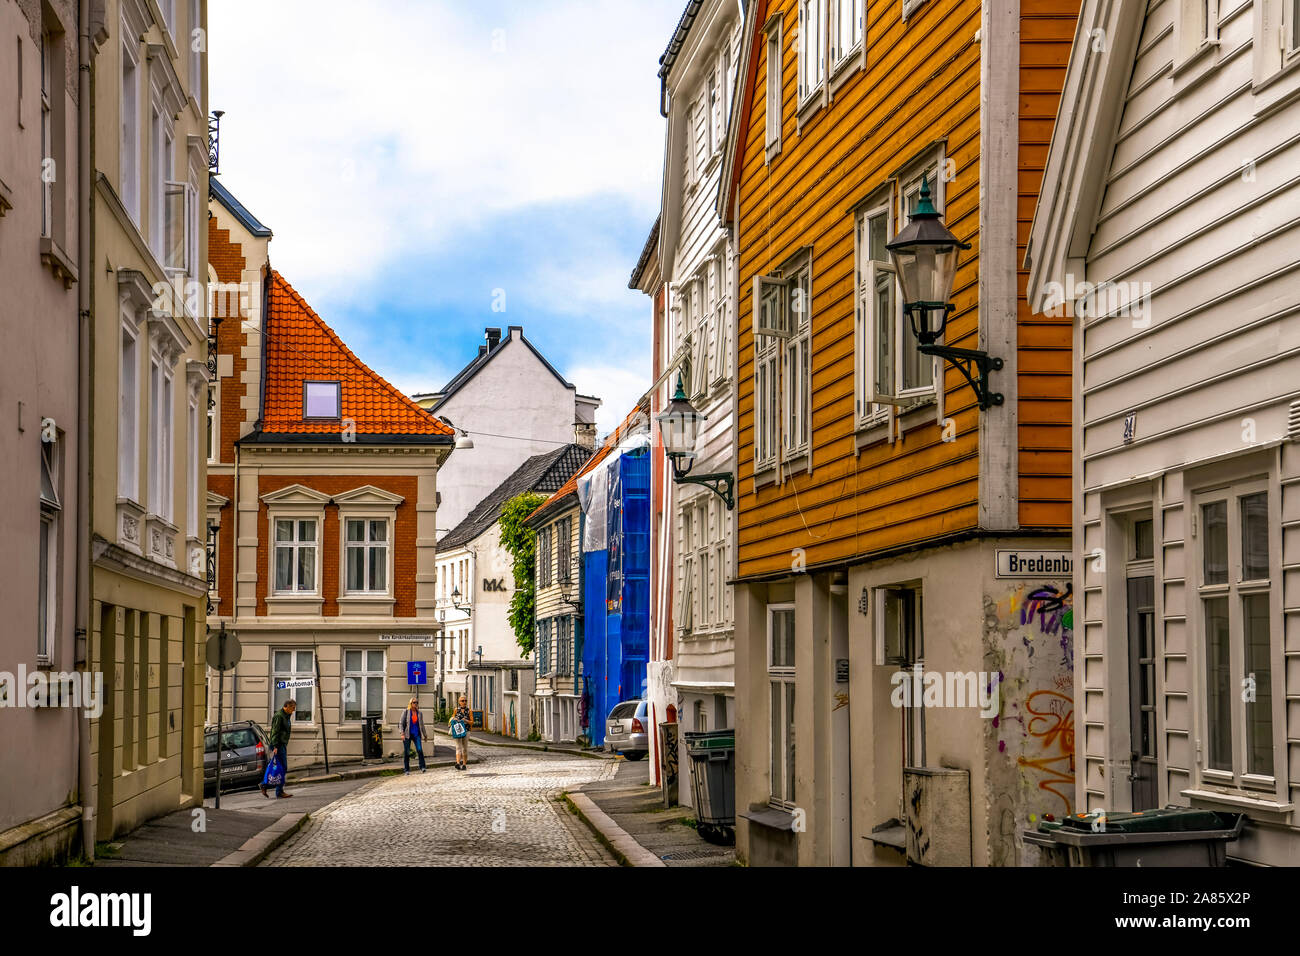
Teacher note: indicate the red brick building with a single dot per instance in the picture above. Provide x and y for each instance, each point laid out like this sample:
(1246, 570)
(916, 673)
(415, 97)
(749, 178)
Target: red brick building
(321, 508)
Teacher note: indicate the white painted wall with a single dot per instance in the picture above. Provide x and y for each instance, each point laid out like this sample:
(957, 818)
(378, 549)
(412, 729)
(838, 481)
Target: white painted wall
(513, 395)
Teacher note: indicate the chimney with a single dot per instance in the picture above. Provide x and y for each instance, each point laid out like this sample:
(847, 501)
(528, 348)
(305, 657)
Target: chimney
(584, 434)
(493, 338)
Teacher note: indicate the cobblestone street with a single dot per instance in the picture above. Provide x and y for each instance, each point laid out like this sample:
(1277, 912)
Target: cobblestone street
(502, 811)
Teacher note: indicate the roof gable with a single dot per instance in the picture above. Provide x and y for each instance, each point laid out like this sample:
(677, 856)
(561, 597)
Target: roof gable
(480, 361)
(237, 209)
(301, 348)
(1083, 141)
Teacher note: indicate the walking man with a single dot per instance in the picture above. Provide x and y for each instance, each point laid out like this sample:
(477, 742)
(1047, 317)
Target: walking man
(413, 730)
(281, 728)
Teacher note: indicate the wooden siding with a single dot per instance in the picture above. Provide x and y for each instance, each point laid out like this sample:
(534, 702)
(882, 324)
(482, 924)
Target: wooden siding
(1046, 35)
(921, 83)
(1199, 209)
(549, 603)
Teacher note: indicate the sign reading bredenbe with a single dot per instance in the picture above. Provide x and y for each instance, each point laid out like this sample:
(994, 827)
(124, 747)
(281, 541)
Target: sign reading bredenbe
(1035, 564)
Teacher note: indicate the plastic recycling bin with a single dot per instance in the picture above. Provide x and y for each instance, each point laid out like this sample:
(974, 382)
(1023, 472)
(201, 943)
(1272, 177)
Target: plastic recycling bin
(713, 780)
(372, 739)
(1173, 836)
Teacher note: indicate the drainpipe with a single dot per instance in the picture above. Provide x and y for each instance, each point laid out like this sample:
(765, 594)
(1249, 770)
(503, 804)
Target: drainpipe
(87, 778)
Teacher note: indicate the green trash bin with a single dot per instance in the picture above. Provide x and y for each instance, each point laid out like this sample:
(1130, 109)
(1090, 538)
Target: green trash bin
(1173, 836)
(713, 781)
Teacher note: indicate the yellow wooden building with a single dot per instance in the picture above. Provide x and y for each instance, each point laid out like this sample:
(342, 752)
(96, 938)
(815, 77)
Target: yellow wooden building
(886, 522)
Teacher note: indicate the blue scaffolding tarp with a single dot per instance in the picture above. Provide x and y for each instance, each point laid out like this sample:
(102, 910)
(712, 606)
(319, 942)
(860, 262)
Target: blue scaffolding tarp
(616, 612)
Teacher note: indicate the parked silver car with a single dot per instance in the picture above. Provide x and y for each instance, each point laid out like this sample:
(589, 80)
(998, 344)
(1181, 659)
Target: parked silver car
(625, 729)
(245, 755)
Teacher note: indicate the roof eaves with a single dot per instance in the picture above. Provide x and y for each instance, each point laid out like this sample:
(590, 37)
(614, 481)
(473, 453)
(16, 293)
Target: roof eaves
(237, 209)
(651, 243)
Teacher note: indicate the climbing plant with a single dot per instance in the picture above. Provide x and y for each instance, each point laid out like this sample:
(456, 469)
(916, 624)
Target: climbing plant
(520, 543)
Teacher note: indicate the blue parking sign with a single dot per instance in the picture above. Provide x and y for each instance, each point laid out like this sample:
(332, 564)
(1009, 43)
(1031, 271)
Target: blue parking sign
(416, 672)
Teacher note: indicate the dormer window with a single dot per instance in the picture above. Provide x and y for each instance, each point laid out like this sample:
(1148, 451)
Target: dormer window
(320, 400)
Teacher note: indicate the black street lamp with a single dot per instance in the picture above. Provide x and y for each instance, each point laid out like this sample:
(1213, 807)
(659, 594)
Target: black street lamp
(455, 601)
(679, 425)
(925, 258)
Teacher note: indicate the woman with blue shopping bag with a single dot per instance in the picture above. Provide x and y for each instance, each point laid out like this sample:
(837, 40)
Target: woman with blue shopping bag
(459, 727)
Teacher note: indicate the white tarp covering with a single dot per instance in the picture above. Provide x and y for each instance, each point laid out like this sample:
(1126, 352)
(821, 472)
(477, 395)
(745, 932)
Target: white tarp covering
(593, 491)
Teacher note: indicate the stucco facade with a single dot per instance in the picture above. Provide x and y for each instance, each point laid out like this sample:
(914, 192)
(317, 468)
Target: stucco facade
(41, 476)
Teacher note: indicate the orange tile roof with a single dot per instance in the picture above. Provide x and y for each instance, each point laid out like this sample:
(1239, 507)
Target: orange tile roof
(636, 416)
(300, 348)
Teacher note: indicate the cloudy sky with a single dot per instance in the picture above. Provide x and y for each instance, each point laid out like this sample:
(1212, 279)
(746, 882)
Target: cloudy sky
(413, 157)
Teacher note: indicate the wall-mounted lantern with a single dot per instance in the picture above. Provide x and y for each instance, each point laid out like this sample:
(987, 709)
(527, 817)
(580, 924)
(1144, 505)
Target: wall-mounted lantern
(679, 424)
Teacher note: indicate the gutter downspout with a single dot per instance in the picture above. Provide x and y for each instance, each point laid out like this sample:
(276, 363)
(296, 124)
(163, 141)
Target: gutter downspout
(87, 784)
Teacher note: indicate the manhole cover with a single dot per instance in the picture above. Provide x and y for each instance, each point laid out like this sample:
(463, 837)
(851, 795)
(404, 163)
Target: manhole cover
(691, 855)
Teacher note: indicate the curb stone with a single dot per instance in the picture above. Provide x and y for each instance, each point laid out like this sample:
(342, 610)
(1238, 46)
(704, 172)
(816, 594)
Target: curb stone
(619, 841)
(259, 846)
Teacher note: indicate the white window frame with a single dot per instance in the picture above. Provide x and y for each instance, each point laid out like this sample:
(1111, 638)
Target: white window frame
(128, 440)
(1196, 29)
(841, 54)
(700, 317)
(871, 405)
(47, 133)
(365, 546)
(338, 404)
(773, 90)
(811, 82)
(796, 377)
(161, 143)
(129, 106)
(1235, 591)
(197, 34)
(214, 422)
(192, 475)
(362, 678)
(295, 546)
(48, 589)
(295, 672)
(718, 365)
(782, 794)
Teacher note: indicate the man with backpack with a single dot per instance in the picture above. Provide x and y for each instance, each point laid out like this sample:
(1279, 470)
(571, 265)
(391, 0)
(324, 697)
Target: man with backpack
(281, 729)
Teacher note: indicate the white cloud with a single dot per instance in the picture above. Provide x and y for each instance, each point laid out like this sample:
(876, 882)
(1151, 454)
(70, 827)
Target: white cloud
(365, 133)
(620, 387)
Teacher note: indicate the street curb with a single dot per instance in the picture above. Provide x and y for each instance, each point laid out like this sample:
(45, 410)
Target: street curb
(259, 846)
(617, 840)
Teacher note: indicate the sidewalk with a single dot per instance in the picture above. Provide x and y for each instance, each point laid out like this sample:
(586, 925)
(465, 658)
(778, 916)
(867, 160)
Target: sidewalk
(249, 826)
(628, 815)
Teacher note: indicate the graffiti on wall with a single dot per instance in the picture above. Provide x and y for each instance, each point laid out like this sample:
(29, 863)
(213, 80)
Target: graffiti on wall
(1029, 641)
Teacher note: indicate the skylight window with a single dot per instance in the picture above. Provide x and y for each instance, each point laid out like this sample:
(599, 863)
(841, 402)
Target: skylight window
(320, 400)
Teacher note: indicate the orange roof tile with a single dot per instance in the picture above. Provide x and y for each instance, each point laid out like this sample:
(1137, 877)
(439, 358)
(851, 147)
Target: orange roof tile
(300, 348)
(635, 417)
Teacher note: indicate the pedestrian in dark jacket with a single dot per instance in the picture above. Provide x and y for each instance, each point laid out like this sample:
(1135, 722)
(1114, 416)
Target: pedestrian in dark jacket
(281, 729)
(413, 730)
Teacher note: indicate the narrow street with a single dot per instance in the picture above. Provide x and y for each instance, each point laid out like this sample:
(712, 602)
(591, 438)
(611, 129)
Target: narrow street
(503, 811)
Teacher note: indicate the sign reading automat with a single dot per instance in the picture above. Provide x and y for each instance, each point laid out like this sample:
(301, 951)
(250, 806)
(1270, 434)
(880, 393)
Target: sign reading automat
(1033, 564)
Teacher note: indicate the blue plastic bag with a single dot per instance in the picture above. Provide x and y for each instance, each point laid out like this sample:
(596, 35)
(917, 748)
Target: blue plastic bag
(458, 729)
(274, 772)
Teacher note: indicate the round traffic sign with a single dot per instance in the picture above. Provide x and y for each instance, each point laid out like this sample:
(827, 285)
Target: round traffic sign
(223, 651)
